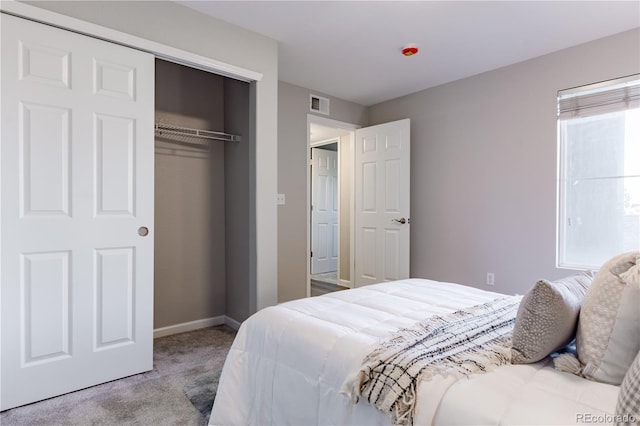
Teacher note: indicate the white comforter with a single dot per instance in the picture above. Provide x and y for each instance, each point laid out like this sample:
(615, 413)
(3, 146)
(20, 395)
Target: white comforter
(288, 363)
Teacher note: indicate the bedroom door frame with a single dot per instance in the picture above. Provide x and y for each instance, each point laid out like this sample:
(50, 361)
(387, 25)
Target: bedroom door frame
(350, 128)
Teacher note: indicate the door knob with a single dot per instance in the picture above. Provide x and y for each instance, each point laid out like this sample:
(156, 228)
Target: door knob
(143, 231)
(401, 221)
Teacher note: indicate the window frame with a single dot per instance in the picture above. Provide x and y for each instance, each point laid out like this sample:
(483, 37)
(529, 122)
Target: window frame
(562, 152)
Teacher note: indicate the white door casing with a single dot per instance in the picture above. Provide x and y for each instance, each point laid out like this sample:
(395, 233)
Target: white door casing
(382, 202)
(324, 210)
(76, 183)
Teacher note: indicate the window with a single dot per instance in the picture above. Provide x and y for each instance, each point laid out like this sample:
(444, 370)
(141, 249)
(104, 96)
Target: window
(599, 172)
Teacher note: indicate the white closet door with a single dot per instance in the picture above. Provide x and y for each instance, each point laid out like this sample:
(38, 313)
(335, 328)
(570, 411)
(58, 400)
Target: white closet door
(77, 186)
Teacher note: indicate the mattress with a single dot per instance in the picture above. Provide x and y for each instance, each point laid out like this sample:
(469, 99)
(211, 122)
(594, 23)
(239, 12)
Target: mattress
(288, 364)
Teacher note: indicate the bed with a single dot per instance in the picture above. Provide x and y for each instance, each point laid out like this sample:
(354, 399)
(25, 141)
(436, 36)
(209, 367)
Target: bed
(289, 363)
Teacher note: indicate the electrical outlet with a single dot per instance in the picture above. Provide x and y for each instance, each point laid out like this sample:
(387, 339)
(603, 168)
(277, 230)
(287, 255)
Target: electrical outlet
(280, 199)
(491, 278)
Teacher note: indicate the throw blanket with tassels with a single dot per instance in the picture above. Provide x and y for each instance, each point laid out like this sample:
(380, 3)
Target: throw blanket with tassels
(472, 340)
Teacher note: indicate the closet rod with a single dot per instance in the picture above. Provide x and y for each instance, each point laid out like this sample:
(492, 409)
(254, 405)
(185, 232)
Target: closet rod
(196, 133)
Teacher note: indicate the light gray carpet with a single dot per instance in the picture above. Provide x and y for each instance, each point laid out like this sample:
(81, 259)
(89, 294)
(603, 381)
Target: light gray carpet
(153, 398)
(202, 391)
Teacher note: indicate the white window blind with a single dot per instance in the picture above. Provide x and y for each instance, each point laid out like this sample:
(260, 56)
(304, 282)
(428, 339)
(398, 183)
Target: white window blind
(599, 172)
(600, 98)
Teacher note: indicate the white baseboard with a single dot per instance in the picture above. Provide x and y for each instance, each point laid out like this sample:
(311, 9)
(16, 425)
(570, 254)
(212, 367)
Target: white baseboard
(195, 325)
(232, 323)
(345, 283)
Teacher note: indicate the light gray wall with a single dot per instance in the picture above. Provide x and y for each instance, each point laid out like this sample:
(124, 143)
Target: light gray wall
(515, 170)
(203, 218)
(293, 107)
(189, 190)
(483, 166)
(177, 26)
(239, 193)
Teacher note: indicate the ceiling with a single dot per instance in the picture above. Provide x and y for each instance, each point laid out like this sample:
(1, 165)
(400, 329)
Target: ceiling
(351, 49)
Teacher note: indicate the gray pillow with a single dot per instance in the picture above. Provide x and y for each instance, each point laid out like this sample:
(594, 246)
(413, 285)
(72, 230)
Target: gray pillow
(608, 337)
(547, 317)
(628, 408)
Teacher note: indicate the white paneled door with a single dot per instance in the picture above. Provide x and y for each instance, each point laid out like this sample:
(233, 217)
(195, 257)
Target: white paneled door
(382, 202)
(76, 223)
(324, 211)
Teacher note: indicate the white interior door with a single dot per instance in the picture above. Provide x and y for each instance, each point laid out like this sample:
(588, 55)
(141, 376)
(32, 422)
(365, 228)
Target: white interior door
(324, 211)
(76, 181)
(382, 202)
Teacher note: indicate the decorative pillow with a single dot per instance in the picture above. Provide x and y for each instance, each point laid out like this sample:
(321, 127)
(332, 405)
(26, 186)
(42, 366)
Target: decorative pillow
(608, 335)
(628, 408)
(547, 317)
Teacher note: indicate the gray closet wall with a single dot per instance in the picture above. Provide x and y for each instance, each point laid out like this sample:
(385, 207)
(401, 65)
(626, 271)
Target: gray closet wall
(192, 244)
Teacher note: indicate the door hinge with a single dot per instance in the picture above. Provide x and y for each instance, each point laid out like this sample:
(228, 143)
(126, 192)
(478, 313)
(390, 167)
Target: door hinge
(311, 254)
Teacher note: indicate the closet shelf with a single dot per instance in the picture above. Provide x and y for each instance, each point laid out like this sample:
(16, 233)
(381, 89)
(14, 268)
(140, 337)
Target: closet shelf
(186, 132)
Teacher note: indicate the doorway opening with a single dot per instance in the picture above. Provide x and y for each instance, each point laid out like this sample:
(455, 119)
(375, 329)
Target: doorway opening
(373, 199)
(202, 199)
(330, 209)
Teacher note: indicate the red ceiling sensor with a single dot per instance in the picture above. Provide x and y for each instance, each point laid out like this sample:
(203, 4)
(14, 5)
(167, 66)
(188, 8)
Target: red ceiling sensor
(410, 50)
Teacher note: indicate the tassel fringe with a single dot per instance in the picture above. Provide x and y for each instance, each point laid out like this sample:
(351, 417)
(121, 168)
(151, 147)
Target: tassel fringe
(568, 363)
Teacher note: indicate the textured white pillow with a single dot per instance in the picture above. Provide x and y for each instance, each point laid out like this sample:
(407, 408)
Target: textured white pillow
(628, 407)
(608, 336)
(547, 317)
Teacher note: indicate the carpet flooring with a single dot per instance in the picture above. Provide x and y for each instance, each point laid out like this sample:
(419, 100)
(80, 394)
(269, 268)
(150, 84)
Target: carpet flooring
(202, 391)
(318, 288)
(157, 397)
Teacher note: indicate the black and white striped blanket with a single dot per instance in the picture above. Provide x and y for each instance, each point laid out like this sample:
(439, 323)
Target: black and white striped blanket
(472, 340)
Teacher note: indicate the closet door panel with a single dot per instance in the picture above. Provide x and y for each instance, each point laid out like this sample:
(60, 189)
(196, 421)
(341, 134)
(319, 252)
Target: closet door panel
(115, 165)
(115, 282)
(44, 160)
(45, 285)
(114, 80)
(44, 64)
(76, 184)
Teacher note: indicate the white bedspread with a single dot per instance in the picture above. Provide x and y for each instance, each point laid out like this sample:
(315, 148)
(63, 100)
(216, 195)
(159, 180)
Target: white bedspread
(288, 363)
(533, 394)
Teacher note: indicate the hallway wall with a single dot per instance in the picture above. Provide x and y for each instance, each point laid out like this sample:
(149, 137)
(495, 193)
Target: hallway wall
(293, 107)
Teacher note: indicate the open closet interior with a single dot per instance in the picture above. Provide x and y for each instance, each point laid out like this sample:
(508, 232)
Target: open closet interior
(204, 195)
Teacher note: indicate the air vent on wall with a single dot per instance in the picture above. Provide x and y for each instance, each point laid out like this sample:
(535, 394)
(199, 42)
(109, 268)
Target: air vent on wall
(319, 104)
